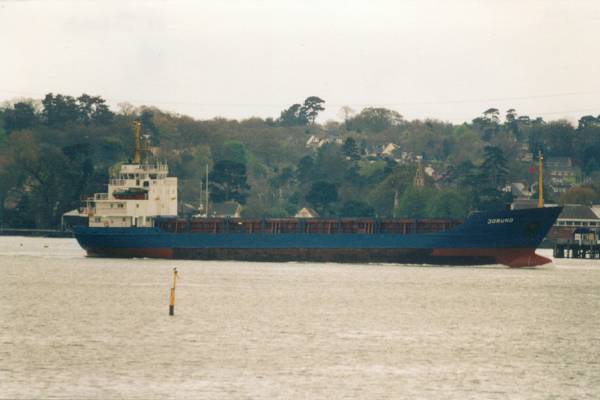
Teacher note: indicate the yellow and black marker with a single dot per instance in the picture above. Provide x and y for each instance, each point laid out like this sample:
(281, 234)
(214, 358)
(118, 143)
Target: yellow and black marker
(172, 297)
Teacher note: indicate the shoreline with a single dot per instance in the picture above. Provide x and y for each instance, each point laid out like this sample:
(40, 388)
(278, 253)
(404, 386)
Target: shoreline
(50, 233)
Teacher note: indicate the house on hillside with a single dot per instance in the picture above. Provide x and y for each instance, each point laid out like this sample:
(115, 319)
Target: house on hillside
(524, 153)
(562, 174)
(306, 212)
(389, 149)
(229, 209)
(313, 142)
(405, 157)
(332, 139)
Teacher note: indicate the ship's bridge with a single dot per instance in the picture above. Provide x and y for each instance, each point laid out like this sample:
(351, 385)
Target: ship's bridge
(133, 174)
(137, 194)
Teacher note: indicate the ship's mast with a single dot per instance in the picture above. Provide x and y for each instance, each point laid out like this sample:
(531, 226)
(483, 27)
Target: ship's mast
(137, 156)
(206, 190)
(201, 202)
(146, 148)
(540, 203)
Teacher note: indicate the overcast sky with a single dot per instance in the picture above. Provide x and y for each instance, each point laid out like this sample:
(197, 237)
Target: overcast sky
(447, 59)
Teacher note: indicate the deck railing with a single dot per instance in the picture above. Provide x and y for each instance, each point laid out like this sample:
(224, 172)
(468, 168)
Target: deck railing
(302, 226)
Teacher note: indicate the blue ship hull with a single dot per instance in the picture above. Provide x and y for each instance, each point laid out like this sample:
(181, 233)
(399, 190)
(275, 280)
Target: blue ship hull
(507, 237)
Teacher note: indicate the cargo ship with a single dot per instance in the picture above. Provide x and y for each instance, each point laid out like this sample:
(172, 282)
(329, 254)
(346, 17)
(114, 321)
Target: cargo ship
(137, 217)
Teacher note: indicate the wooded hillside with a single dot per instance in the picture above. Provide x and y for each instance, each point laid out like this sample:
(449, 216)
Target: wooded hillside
(55, 150)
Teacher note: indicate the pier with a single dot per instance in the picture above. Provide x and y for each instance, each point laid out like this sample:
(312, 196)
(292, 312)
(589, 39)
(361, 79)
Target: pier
(577, 249)
(583, 244)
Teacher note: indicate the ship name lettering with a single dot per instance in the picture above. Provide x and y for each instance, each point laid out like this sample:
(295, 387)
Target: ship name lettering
(500, 221)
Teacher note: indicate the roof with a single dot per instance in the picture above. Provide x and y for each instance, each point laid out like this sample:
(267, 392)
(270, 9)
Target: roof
(306, 212)
(74, 213)
(576, 211)
(227, 209)
(389, 148)
(559, 162)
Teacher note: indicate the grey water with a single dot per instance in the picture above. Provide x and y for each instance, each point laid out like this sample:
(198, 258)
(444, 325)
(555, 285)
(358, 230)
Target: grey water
(73, 327)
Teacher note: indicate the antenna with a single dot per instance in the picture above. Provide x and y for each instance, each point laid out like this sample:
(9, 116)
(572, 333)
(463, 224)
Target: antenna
(201, 208)
(540, 181)
(206, 190)
(137, 157)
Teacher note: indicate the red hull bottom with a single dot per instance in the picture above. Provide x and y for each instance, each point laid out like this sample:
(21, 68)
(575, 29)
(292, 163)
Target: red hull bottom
(130, 252)
(509, 257)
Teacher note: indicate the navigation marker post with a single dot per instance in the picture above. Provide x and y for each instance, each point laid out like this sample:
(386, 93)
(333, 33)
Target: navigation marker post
(172, 296)
(540, 203)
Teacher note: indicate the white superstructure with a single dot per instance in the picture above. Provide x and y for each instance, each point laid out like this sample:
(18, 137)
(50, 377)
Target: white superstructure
(137, 194)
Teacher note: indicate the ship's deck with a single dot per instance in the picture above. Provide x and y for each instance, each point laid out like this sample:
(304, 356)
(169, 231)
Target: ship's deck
(315, 226)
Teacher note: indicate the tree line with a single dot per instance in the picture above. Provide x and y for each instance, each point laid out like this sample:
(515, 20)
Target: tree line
(57, 149)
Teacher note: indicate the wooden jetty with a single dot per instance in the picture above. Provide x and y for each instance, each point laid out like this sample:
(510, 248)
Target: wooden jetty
(575, 249)
(583, 244)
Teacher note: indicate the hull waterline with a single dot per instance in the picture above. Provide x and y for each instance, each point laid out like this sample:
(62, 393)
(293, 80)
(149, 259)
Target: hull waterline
(507, 237)
(509, 257)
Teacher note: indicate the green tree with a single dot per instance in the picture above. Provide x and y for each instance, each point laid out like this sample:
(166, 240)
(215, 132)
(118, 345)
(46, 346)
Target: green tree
(330, 164)
(312, 106)
(512, 124)
(488, 124)
(494, 166)
(234, 150)
(357, 209)
(305, 169)
(350, 149)
(384, 193)
(59, 110)
(592, 162)
(321, 196)
(580, 195)
(93, 109)
(461, 175)
(149, 126)
(21, 116)
(585, 146)
(492, 115)
(51, 179)
(558, 137)
(228, 181)
(374, 119)
(413, 202)
(587, 121)
(293, 116)
(447, 204)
